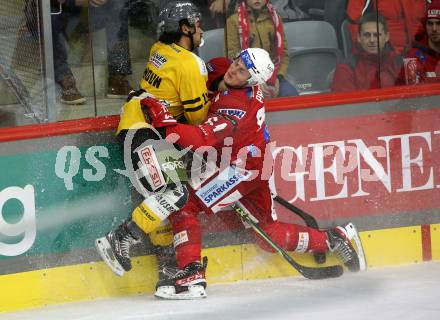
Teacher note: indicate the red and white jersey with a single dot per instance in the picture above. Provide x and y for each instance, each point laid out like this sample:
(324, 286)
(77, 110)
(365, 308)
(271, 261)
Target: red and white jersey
(236, 121)
(427, 64)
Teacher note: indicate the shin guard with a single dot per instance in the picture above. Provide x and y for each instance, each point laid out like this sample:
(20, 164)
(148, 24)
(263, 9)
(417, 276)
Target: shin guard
(156, 208)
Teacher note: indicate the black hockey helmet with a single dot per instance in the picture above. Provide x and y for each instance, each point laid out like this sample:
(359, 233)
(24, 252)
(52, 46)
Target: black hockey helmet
(174, 12)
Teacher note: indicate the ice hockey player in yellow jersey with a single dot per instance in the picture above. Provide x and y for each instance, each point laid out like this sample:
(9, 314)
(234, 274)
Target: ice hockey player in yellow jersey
(173, 72)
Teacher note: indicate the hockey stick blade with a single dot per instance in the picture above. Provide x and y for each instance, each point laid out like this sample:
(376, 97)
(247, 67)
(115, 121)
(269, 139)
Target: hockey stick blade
(308, 219)
(313, 273)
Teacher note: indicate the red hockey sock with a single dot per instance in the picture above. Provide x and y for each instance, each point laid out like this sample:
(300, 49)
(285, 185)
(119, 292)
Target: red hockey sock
(292, 237)
(317, 240)
(187, 238)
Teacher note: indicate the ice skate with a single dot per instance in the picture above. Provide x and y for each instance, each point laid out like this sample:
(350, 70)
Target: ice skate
(166, 261)
(186, 284)
(340, 242)
(114, 249)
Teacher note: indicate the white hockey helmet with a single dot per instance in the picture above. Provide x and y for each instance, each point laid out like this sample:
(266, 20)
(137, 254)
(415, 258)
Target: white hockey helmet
(259, 65)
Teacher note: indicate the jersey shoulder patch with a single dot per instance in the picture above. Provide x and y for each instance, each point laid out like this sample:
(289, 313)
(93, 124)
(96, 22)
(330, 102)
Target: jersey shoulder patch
(157, 60)
(233, 112)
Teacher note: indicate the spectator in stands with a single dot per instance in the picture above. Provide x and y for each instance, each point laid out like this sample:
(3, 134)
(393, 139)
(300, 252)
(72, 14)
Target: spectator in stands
(213, 12)
(108, 14)
(375, 65)
(218, 10)
(218, 6)
(422, 62)
(286, 9)
(257, 24)
(403, 18)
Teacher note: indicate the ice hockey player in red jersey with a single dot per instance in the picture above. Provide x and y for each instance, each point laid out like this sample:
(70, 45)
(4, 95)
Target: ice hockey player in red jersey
(237, 133)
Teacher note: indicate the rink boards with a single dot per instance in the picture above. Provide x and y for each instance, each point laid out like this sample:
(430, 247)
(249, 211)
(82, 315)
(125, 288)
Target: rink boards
(376, 164)
(226, 264)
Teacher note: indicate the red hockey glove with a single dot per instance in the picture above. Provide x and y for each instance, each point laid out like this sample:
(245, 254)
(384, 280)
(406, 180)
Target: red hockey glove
(157, 112)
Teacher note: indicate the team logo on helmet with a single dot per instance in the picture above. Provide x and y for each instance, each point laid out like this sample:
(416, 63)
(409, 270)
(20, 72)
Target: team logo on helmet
(259, 65)
(247, 59)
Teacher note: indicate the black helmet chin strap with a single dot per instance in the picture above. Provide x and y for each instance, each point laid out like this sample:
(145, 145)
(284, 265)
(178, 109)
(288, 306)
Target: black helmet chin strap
(191, 38)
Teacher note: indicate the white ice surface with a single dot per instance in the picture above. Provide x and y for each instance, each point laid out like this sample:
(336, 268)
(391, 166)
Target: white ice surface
(392, 293)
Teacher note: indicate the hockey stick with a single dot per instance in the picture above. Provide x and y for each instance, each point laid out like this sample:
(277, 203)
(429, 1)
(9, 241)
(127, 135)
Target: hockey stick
(308, 219)
(313, 273)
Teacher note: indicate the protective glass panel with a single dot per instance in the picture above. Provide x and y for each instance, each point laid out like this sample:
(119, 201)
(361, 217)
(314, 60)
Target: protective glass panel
(21, 77)
(73, 63)
(414, 35)
(100, 50)
(112, 68)
(307, 31)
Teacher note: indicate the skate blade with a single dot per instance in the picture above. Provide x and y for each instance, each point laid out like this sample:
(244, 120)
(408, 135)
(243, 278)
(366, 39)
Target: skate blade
(353, 235)
(104, 249)
(169, 293)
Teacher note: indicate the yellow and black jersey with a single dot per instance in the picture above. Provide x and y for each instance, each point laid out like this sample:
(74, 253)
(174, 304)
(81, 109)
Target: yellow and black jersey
(178, 76)
(131, 116)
